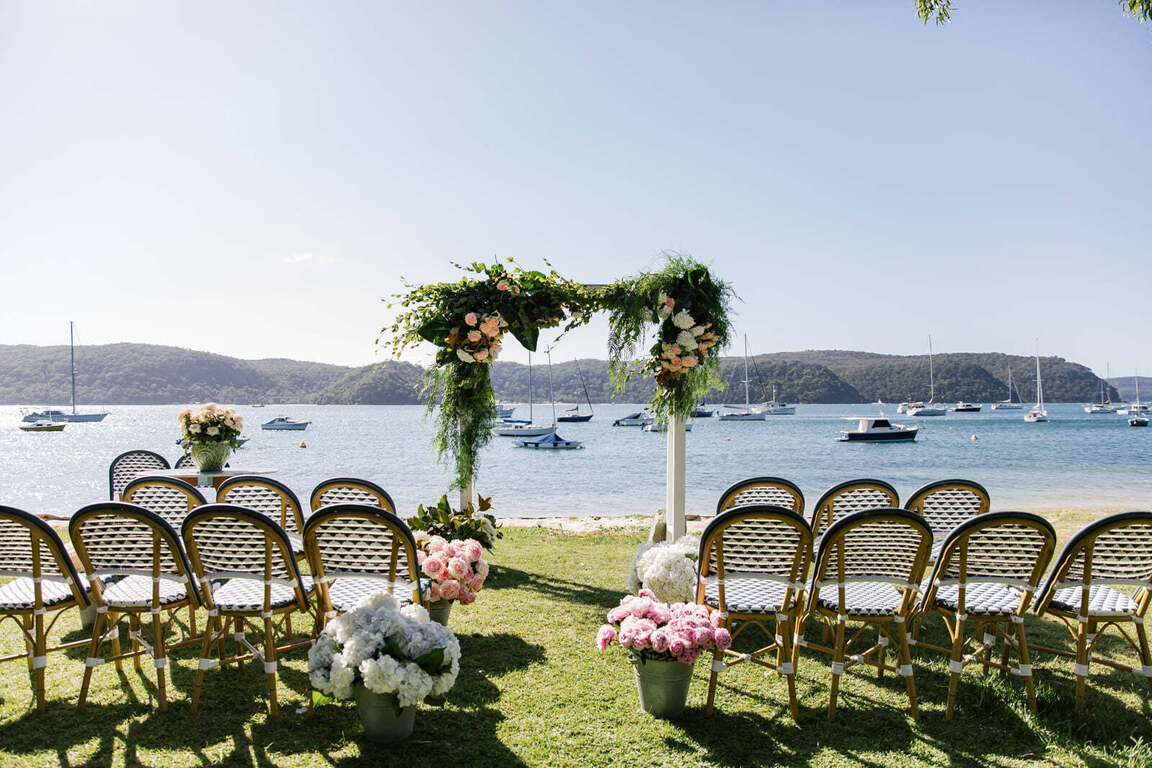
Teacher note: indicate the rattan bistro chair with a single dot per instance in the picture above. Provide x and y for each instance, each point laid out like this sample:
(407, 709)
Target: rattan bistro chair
(269, 497)
(350, 490)
(868, 569)
(1115, 551)
(753, 566)
(762, 490)
(128, 466)
(355, 550)
(848, 497)
(987, 572)
(168, 497)
(246, 570)
(42, 579)
(946, 504)
(140, 556)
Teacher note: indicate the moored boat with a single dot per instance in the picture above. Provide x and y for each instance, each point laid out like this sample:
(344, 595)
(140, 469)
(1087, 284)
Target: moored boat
(1038, 414)
(43, 425)
(550, 441)
(283, 423)
(963, 407)
(1009, 404)
(637, 419)
(877, 430)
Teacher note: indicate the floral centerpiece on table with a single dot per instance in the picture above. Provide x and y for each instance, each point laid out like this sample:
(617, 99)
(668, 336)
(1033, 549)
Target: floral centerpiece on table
(456, 569)
(667, 568)
(210, 435)
(471, 522)
(383, 649)
(653, 630)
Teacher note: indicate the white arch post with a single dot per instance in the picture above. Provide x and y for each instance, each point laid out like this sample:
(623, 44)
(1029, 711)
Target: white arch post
(675, 524)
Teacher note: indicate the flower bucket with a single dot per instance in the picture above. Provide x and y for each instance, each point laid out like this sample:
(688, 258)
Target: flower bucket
(663, 685)
(209, 457)
(438, 611)
(378, 714)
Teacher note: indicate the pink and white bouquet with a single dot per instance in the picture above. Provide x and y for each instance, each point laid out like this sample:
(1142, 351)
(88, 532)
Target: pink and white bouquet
(478, 338)
(457, 568)
(212, 424)
(654, 630)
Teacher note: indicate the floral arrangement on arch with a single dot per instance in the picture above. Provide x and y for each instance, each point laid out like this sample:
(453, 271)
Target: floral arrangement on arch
(212, 424)
(471, 522)
(456, 569)
(654, 630)
(388, 649)
(467, 321)
(690, 310)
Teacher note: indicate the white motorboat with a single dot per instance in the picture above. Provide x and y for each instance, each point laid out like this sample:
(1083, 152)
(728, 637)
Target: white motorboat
(908, 405)
(1038, 414)
(285, 424)
(928, 409)
(775, 407)
(43, 425)
(637, 419)
(877, 430)
(662, 426)
(746, 413)
(1008, 405)
(963, 407)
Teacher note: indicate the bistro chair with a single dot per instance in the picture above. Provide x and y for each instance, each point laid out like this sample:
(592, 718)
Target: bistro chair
(269, 497)
(246, 571)
(136, 566)
(868, 569)
(775, 491)
(848, 497)
(988, 570)
(1081, 591)
(168, 497)
(350, 490)
(753, 566)
(946, 504)
(42, 579)
(128, 466)
(356, 550)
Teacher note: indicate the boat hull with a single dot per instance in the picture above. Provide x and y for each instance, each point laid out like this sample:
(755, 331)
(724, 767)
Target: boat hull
(580, 418)
(299, 426)
(52, 427)
(61, 417)
(743, 417)
(523, 431)
(1007, 407)
(878, 437)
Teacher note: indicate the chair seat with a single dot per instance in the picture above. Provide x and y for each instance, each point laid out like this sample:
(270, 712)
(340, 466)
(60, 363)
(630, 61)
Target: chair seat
(747, 595)
(863, 598)
(135, 591)
(346, 592)
(247, 595)
(980, 599)
(18, 594)
(1102, 601)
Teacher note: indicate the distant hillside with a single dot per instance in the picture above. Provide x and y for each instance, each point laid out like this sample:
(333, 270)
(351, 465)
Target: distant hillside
(116, 374)
(1126, 386)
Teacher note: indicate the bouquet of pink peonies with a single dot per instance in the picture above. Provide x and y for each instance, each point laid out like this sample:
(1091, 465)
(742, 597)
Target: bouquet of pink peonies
(651, 629)
(456, 568)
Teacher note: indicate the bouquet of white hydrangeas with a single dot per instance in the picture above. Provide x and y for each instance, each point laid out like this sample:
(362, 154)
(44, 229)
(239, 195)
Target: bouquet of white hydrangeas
(668, 568)
(390, 650)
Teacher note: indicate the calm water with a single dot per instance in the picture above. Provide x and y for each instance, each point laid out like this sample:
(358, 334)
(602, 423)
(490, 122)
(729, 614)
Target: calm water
(1075, 461)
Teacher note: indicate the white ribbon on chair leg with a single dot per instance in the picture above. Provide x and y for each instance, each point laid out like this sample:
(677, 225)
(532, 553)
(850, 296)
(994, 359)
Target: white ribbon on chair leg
(270, 667)
(837, 668)
(718, 665)
(208, 664)
(39, 662)
(1080, 670)
(1024, 670)
(905, 670)
(955, 666)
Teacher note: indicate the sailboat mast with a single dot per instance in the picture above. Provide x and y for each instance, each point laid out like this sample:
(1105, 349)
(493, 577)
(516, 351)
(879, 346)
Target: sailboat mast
(747, 402)
(530, 388)
(551, 394)
(931, 373)
(72, 361)
(587, 398)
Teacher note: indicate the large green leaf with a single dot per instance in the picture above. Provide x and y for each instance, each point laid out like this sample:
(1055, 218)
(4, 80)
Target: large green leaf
(320, 699)
(432, 661)
(435, 331)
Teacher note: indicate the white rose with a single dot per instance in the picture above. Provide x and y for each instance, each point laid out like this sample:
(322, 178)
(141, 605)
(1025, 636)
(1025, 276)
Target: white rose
(686, 340)
(213, 431)
(697, 330)
(683, 320)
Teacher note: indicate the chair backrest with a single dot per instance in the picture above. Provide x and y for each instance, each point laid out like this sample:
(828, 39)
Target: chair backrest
(350, 490)
(364, 541)
(877, 545)
(225, 541)
(127, 466)
(185, 460)
(774, 491)
(759, 541)
(30, 548)
(1010, 548)
(114, 538)
(851, 496)
(1115, 550)
(168, 497)
(264, 495)
(946, 504)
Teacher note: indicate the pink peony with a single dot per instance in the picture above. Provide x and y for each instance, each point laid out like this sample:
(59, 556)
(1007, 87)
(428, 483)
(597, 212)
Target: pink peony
(618, 614)
(458, 568)
(723, 639)
(670, 303)
(659, 613)
(605, 636)
(436, 544)
(467, 596)
(704, 637)
(643, 593)
(676, 645)
(450, 590)
(471, 550)
(481, 568)
(420, 555)
(689, 656)
(470, 318)
(659, 641)
(433, 592)
(476, 584)
(432, 566)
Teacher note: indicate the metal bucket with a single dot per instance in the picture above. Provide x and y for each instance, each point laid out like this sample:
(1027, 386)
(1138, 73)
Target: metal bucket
(663, 686)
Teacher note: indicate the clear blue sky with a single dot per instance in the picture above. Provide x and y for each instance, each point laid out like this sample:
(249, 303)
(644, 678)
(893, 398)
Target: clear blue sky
(252, 178)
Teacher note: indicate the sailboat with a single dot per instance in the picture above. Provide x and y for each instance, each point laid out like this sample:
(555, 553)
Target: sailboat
(57, 415)
(1007, 405)
(1139, 413)
(777, 408)
(1037, 414)
(1104, 405)
(746, 414)
(551, 439)
(577, 416)
(519, 427)
(927, 409)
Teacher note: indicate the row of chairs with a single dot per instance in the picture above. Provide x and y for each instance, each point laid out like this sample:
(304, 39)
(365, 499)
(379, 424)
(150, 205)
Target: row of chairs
(763, 562)
(235, 562)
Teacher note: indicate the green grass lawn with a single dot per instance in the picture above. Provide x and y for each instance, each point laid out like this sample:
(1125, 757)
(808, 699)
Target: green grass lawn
(534, 691)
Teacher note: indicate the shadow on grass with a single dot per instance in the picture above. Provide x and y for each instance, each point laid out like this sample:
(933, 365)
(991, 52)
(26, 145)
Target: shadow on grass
(504, 577)
(482, 656)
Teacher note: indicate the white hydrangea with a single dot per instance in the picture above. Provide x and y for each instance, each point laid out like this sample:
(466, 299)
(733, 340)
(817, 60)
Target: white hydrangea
(340, 677)
(683, 320)
(669, 569)
(686, 340)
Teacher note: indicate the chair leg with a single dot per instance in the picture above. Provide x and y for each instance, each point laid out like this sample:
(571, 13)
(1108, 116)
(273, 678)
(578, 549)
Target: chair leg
(882, 653)
(1145, 657)
(1025, 664)
(237, 646)
(955, 665)
(717, 655)
(206, 659)
(906, 670)
(28, 626)
(98, 630)
(114, 623)
(160, 660)
(837, 667)
(785, 656)
(133, 630)
(41, 649)
(1081, 668)
(270, 664)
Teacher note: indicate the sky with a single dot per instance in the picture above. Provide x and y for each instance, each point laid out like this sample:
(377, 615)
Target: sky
(254, 179)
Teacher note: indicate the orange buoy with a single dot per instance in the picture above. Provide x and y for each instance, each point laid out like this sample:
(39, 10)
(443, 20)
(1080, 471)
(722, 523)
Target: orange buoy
(303, 444)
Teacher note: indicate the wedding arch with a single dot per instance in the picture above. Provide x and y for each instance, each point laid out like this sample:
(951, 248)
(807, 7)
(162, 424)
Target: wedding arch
(468, 321)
